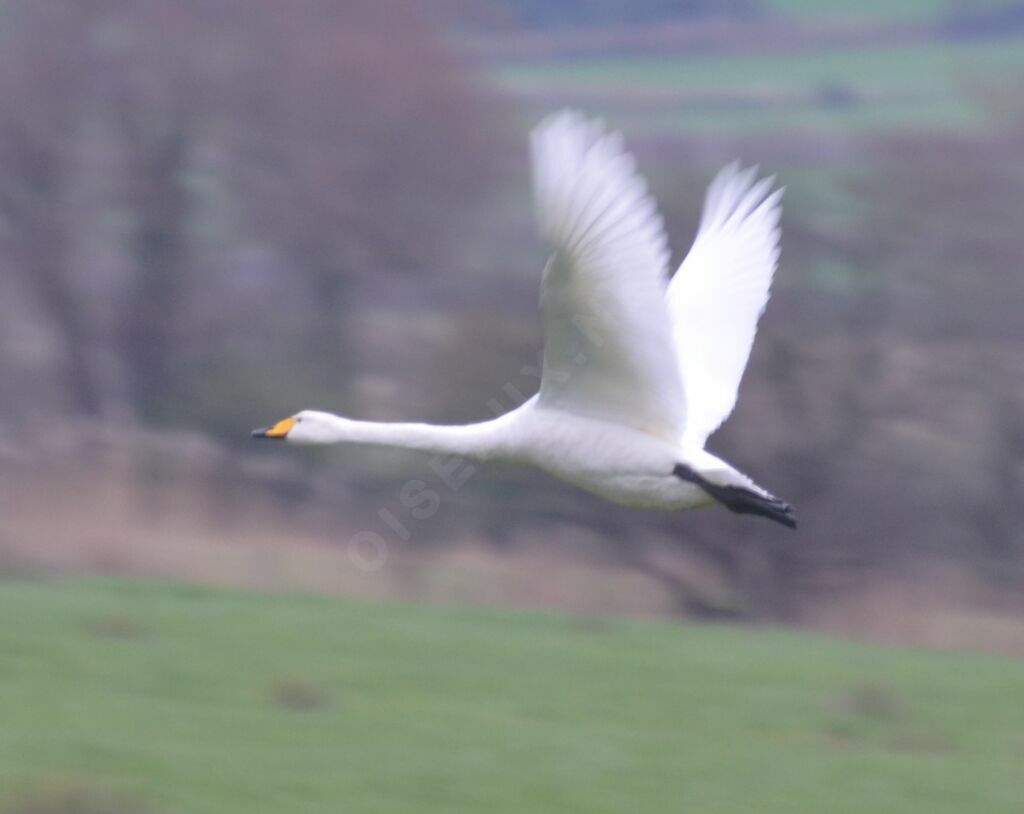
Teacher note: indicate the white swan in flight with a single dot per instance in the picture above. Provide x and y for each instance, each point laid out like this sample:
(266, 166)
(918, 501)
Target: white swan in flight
(638, 369)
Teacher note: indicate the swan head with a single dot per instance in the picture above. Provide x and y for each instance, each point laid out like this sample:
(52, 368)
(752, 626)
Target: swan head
(307, 427)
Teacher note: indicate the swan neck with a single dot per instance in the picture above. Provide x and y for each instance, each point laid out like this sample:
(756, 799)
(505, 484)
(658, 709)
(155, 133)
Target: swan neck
(471, 440)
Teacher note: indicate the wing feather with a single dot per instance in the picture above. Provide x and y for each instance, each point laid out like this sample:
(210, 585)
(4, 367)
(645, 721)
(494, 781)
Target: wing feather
(719, 292)
(608, 349)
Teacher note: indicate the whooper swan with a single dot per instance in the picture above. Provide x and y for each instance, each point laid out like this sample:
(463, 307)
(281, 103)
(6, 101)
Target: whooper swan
(638, 369)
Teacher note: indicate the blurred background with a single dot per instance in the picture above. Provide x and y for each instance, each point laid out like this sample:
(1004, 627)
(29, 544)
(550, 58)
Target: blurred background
(214, 213)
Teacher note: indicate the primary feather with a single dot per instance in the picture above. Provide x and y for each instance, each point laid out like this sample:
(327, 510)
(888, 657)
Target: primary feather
(720, 291)
(608, 350)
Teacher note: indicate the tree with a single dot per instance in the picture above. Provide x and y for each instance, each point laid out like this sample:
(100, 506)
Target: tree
(43, 88)
(340, 138)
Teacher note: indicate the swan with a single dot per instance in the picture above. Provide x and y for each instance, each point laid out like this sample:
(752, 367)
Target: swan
(639, 368)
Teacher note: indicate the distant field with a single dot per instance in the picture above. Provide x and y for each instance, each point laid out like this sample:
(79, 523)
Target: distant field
(919, 85)
(881, 10)
(189, 700)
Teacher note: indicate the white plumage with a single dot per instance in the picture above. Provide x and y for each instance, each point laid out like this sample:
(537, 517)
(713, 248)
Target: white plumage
(608, 349)
(719, 292)
(638, 369)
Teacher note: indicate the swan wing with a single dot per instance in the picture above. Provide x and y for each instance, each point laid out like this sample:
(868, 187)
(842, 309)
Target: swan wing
(719, 292)
(608, 349)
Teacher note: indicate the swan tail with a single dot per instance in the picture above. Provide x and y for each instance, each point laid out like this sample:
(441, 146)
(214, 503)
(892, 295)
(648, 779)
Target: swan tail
(741, 498)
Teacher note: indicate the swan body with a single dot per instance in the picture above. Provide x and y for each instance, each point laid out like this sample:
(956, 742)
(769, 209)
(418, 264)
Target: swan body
(639, 369)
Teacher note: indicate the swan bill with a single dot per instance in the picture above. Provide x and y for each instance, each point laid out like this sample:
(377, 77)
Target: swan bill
(279, 430)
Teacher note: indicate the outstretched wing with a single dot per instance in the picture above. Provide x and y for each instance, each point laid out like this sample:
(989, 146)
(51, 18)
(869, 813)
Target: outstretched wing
(720, 291)
(608, 334)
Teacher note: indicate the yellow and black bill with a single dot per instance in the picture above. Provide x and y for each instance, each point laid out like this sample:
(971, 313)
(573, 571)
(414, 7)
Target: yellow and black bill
(279, 430)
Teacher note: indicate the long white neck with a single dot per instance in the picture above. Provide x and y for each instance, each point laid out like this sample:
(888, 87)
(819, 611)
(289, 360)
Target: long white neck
(471, 440)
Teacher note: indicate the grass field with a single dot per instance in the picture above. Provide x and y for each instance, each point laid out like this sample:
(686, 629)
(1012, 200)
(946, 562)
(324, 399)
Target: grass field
(885, 88)
(875, 10)
(931, 66)
(181, 699)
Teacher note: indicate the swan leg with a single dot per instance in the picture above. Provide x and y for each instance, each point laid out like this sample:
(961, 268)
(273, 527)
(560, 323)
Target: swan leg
(740, 499)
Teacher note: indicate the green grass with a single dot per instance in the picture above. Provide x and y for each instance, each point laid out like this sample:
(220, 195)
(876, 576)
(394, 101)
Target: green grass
(203, 701)
(877, 11)
(914, 66)
(884, 88)
(887, 11)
